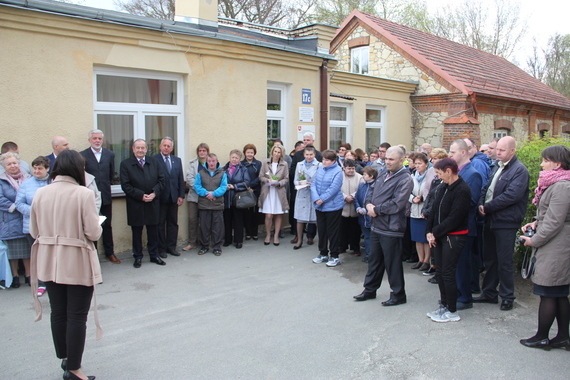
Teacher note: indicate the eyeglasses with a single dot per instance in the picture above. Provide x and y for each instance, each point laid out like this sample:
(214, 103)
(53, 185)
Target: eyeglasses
(483, 150)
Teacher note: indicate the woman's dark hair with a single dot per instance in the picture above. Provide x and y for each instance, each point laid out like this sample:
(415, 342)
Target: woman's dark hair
(41, 161)
(310, 148)
(347, 146)
(446, 163)
(250, 146)
(372, 172)
(559, 154)
(329, 154)
(70, 163)
(349, 163)
(421, 156)
(359, 154)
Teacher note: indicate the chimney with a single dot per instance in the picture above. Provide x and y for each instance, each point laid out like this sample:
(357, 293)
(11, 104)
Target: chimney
(203, 13)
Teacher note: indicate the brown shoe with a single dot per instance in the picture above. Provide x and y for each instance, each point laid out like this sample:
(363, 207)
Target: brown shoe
(114, 259)
(188, 247)
(417, 265)
(295, 240)
(310, 241)
(424, 267)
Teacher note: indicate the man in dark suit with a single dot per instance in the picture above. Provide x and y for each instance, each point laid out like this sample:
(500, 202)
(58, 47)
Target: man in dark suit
(100, 163)
(171, 197)
(142, 181)
(59, 144)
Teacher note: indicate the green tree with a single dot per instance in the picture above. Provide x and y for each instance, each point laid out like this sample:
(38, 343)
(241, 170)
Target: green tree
(333, 12)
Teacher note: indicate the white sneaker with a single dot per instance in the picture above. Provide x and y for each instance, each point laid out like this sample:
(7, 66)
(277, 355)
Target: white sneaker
(321, 259)
(437, 312)
(448, 316)
(333, 262)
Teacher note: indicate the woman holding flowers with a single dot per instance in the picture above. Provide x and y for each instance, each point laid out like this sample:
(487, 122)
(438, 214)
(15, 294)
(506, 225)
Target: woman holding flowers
(304, 209)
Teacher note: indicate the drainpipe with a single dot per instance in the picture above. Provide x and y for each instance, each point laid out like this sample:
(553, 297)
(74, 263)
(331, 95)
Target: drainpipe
(324, 111)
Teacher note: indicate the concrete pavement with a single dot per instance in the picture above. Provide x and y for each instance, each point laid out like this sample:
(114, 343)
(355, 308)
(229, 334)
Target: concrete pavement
(266, 312)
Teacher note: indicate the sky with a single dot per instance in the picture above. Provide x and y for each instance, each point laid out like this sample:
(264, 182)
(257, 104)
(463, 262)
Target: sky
(545, 18)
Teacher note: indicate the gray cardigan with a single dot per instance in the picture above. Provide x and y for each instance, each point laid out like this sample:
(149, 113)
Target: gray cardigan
(552, 238)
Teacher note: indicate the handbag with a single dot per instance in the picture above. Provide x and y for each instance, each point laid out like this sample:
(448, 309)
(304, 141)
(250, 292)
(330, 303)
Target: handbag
(529, 260)
(245, 199)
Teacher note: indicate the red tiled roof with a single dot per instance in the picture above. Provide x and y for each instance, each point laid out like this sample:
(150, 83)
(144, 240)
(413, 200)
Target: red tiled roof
(465, 68)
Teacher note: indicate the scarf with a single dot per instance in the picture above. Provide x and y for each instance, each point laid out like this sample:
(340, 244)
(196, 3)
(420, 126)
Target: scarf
(232, 170)
(16, 179)
(419, 177)
(547, 178)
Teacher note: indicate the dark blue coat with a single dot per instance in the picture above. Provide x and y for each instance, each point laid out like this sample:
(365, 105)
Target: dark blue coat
(103, 171)
(253, 168)
(173, 181)
(474, 179)
(240, 180)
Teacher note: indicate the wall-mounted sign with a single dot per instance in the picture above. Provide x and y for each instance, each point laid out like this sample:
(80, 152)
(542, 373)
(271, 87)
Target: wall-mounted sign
(306, 96)
(306, 114)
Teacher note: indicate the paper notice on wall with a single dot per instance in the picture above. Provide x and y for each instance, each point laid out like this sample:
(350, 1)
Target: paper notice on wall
(306, 114)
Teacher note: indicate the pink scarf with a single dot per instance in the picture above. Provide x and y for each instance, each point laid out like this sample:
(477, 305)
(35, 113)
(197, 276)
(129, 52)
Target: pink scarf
(16, 179)
(547, 178)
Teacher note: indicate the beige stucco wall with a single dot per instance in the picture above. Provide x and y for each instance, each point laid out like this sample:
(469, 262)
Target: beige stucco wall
(48, 89)
(368, 91)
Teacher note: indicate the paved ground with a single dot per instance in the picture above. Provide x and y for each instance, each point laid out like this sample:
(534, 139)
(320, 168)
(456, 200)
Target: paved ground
(270, 313)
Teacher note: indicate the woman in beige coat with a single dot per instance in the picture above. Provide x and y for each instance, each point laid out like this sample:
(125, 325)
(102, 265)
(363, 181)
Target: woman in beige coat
(64, 221)
(274, 176)
(552, 248)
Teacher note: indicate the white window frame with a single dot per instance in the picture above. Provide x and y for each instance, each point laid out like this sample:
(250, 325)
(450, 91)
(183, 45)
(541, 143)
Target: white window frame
(141, 110)
(361, 51)
(374, 125)
(341, 123)
(500, 133)
(281, 115)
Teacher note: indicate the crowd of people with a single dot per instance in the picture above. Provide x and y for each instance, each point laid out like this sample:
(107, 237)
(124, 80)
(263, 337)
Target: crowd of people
(452, 213)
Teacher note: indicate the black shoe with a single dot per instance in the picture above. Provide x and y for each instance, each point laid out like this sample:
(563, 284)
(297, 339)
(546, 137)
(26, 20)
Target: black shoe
(295, 247)
(239, 245)
(203, 250)
(429, 272)
(163, 255)
(217, 252)
(483, 299)
(281, 234)
(266, 243)
(365, 296)
(174, 253)
(137, 263)
(565, 344)
(506, 305)
(393, 302)
(365, 259)
(226, 244)
(464, 305)
(433, 280)
(544, 343)
(64, 364)
(412, 260)
(254, 238)
(15, 282)
(157, 260)
(70, 376)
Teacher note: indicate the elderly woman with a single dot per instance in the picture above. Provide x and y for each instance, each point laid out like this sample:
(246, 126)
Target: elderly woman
(304, 209)
(551, 241)
(26, 193)
(253, 167)
(447, 228)
(12, 220)
(274, 176)
(194, 167)
(64, 257)
(238, 180)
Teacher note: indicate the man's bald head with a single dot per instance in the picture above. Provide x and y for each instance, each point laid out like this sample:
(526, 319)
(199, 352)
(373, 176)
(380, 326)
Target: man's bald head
(59, 144)
(506, 148)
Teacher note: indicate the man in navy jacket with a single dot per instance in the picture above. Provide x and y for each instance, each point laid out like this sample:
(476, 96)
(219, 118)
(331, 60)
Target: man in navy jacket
(503, 202)
(171, 198)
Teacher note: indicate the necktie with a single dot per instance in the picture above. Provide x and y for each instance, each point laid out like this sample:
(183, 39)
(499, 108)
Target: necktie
(141, 162)
(168, 164)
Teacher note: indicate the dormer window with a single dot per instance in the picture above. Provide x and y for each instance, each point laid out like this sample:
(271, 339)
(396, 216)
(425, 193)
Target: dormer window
(359, 59)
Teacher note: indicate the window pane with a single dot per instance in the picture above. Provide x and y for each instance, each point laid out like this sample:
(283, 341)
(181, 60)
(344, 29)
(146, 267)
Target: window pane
(338, 113)
(372, 139)
(118, 131)
(135, 90)
(274, 100)
(355, 55)
(273, 133)
(156, 128)
(373, 116)
(338, 136)
(364, 59)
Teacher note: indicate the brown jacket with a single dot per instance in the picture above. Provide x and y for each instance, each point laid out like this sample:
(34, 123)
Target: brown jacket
(64, 221)
(283, 175)
(552, 238)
